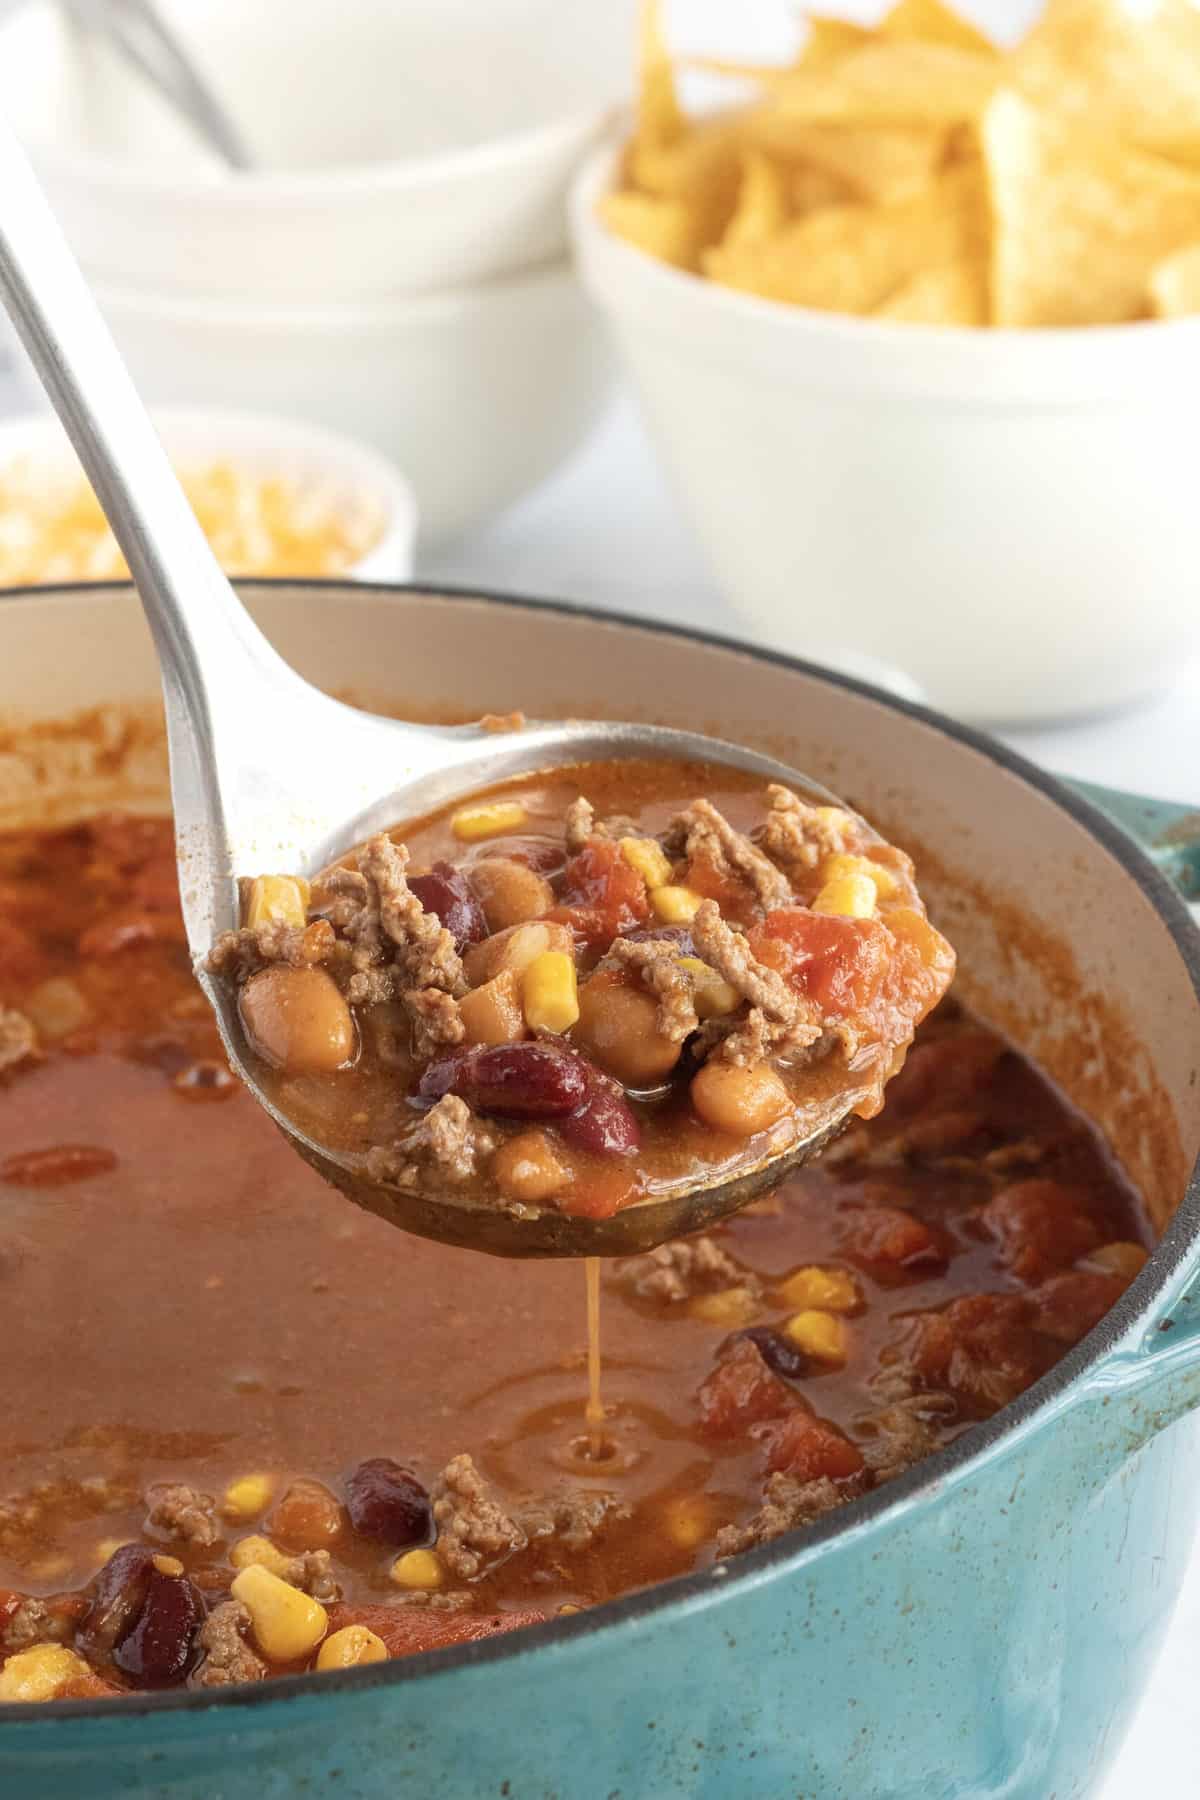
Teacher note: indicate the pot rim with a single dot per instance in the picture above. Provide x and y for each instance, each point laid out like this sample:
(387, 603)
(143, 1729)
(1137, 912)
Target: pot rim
(695, 1591)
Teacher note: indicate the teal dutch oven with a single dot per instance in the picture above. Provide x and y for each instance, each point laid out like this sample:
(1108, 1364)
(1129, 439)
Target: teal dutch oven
(980, 1628)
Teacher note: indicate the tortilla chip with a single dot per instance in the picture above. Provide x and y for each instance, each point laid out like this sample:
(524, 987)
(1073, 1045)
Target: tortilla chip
(932, 23)
(659, 117)
(829, 40)
(809, 190)
(879, 164)
(763, 202)
(851, 258)
(1132, 69)
(893, 84)
(1175, 284)
(956, 294)
(667, 229)
(1080, 220)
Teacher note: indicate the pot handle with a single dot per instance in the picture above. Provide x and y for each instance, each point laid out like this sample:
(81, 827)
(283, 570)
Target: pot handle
(1159, 1378)
(1169, 834)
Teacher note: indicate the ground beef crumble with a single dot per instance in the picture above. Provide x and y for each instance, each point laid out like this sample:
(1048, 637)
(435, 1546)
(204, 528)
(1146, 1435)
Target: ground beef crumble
(183, 1515)
(655, 963)
(787, 1504)
(474, 1531)
(449, 1139)
(903, 1434)
(573, 1518)
(252, 947)
(580, 824)
(312, 1572)
(227, 1655)
(18, 1039)
(439, 1600)
(678, 1270)
(701, 831)
(799, 834)
(780, 1019)
(394, 948)
(33, 1622)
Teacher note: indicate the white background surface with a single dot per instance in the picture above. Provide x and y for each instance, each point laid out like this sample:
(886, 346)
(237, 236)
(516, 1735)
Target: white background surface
(606, 531)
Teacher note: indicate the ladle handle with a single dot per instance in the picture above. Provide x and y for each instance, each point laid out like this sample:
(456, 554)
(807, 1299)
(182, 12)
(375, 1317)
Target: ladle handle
(215, 662)
(193, 612)
(1167, 832)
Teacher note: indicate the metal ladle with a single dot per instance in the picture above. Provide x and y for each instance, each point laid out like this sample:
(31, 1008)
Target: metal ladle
(269, 774)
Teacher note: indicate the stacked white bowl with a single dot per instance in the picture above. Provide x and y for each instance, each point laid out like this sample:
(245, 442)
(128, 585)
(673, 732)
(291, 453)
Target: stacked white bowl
(395, 266)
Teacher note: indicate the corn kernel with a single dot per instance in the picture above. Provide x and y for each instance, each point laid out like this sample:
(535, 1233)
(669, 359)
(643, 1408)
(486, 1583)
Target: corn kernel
(247, 1497)
(712, 994)
(830, 1290)
(350, 1648)
(278, 900)
(473, 823)
(550, 992)
(847, 897)
(418, 1569)
(1121, 1258)
(648, 859)
(688, 1519)
(819, 1334)
(676, 905)
(41, 1673)
(167, 1565)
(730, 1307)
(259, 1552)
(287, 1624)
(842, 863)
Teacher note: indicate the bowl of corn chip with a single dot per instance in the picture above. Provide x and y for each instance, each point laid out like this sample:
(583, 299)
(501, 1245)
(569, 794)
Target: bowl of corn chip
(274, 498)
(915, 321)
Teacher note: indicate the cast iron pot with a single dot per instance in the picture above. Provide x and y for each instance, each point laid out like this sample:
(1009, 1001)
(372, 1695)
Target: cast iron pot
(982, 1627)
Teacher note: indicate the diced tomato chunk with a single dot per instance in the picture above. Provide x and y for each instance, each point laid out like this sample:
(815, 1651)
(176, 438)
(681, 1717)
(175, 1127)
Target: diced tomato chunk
(839, 963)
(735, 898)
(809, 1448)
(602, 895)
(981, 1348)
(407, 1630)
(742, 1391)
(1069, 1305)
(889, 1236)
(1040, 1226)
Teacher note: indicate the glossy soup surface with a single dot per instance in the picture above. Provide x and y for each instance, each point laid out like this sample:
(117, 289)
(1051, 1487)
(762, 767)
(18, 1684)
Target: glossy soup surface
(185, 1303)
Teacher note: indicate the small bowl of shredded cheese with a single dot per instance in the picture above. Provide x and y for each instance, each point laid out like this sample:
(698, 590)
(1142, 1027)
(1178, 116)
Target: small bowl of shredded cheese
(274, 497)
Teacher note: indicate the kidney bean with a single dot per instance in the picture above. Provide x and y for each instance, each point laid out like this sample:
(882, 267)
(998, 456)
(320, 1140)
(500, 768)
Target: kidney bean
(782, 1357)
(514, 1081)
(445, 893)
(604, 1123)
(161, 1647)
(545, 854)
(386, 1502)
(118, 1595)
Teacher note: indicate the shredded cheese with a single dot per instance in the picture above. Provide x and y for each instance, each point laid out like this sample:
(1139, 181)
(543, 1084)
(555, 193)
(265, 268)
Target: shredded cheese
(51, 531)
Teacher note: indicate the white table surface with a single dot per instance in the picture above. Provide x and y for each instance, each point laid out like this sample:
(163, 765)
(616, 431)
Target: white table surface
(605, 530)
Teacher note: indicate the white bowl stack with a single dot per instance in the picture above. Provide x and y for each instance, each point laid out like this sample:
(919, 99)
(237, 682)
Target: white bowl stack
(396, 264)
